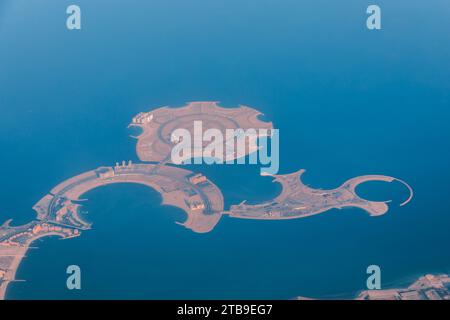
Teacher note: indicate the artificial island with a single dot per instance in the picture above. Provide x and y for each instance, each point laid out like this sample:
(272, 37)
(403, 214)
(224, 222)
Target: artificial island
(59, 212)
(298, 200)
(156, 141)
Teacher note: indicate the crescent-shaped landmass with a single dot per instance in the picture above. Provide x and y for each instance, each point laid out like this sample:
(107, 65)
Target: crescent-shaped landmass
(298, 200)
(58, 213)
(155, 141)
(194, 193)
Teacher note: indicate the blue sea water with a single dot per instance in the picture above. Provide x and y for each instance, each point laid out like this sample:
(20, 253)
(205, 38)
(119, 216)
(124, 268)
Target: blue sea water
(348, 101)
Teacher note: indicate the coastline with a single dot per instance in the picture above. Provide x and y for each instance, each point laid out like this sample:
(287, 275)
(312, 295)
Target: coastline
(16, 251)
(11, 274)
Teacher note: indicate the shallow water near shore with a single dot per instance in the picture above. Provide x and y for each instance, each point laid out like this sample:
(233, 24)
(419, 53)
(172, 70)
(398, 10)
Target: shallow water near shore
(346, 101)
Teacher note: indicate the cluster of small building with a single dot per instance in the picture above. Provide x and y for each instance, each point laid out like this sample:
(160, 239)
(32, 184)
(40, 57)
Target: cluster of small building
(195, 202)
(23, 237)
(143, 118)
(428, 287)
(124, 165)
(46, 228)
(106, 172)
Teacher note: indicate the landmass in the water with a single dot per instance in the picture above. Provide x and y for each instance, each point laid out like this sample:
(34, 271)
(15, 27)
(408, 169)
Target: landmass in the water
(58, 213)
(194, 193)
(298, 200)
(155, 143)
(428, 287)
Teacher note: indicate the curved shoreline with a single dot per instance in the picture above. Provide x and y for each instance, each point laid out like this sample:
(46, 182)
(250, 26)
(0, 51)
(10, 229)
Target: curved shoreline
(58, 211)
(196, 195)
(13, 251)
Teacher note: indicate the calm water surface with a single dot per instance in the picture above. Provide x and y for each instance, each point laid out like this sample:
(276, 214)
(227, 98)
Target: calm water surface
(347, 102)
